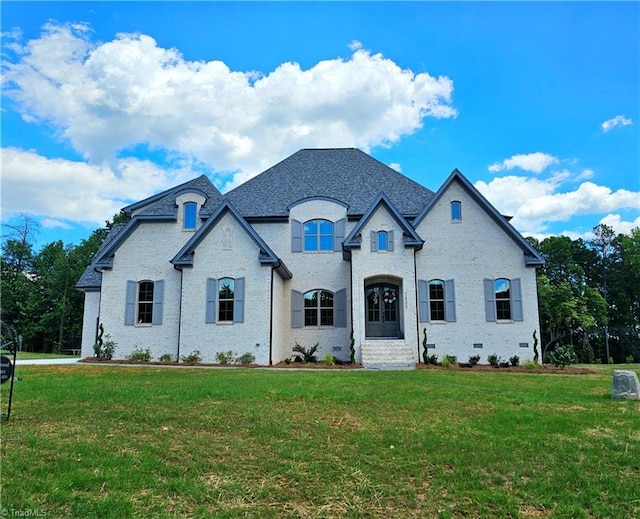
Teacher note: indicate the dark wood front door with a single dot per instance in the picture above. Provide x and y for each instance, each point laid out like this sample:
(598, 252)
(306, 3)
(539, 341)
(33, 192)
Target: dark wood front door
(382, 317)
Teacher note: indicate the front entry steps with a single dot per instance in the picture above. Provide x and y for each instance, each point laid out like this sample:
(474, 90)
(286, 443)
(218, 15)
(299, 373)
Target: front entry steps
(387, 354)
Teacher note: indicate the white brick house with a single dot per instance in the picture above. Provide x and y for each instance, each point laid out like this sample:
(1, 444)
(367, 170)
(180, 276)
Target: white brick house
(326, 245)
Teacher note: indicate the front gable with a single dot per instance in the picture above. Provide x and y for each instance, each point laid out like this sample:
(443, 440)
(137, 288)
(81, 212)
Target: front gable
(455, 211)
(407, 236)
(266, 257)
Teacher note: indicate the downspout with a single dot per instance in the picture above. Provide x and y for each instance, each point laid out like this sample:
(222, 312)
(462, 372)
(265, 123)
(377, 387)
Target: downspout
(271, 316)
(179, 313)
(415, 286)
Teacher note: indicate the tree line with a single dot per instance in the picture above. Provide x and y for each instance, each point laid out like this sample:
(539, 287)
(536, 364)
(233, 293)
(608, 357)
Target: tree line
(588, 291)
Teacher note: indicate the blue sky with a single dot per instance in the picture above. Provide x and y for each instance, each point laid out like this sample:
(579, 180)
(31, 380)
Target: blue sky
(538, 104)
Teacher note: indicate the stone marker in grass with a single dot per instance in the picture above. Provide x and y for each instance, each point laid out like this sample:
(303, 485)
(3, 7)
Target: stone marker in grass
(625, 385)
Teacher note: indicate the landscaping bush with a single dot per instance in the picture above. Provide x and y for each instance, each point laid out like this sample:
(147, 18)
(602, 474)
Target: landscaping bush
(515, 360)
(493, 360)
(306, 355)
(561, 356)
(530, 364)
(166, 357)
(246, 358)
(195, 357)
(431, 359)
(225, 357)
(140, 354)
(330, 360)
(448, 361)
(474, 359)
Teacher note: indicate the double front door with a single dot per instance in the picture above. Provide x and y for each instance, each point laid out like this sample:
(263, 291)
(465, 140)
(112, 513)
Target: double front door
(382, 319)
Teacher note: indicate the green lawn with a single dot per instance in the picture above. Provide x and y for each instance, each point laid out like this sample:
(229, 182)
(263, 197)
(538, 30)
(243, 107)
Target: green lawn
(24, 355)
(107, 441)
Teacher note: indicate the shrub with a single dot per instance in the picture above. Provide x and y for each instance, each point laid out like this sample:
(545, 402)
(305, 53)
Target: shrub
(352, 347)
(629, 359)
(194, 357)
(140, 354)
(431, 359)
(166, 357)
(448, 361)
(493, 359)
(515, 360)
(246, 358)
(104, 349)
(530, 364)
(330, 360)
(425, 354)
(561, 356)
(225, 357)
(287, 361)
(474, 359)
(308, 355)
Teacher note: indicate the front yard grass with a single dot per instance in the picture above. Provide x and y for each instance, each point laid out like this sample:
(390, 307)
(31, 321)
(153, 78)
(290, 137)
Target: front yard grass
(112, 441)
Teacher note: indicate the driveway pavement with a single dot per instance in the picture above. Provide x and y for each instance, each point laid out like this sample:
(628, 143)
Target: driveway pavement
(46, 362)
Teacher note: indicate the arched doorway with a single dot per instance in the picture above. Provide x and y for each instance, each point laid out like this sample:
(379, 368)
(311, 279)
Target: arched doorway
(382, 316)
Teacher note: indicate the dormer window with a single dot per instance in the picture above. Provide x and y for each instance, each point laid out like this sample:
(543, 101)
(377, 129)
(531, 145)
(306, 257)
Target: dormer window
(381, 241)
(456, 211)
(190, 213)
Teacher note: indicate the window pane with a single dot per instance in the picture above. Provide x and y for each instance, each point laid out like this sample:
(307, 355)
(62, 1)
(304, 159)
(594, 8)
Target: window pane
(436, 289)
(326, 299)
(225, 312)
(190, 215)
(311, 317)
(326, 316)
(310, 243)
(145, 302)
(326, 227)
(326, 242)
(226, 288)
(311, 228)
(437, 310)
(311, 299)
(456, 211)
(373, 304)
(382, 240)
(503, 298)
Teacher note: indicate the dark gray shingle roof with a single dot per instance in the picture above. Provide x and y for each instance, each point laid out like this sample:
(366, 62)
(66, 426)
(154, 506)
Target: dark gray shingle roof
(345, 174)
(91, 279)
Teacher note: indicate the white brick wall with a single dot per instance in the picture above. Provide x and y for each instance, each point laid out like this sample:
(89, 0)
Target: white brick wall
(467, 252)
(213, 260)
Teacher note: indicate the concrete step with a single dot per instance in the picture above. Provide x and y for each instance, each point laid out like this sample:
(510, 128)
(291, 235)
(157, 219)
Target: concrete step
(387, 355)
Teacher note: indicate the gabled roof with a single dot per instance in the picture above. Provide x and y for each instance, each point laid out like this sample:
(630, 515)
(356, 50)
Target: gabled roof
(410, 237)
(532, 256)
(346, 175)
(184, 258)
(164, 203)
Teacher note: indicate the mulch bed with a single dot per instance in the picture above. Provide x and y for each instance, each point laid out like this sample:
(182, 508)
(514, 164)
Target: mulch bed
(546, 369)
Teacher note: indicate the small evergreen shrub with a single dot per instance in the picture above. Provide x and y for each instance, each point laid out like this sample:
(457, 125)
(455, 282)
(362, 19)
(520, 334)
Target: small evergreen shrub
(515, 360)
(225, 357)
(104, 349)
(561, 356)
(246, 358)
(474, 359)
(287, 361)
(166, 357)
(195, 357)
(629, 359)
(140, 355)
(493, 360)
(431, 359)
(330, 360)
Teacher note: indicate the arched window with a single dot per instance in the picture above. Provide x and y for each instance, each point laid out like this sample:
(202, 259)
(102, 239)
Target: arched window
(436, 300)
(190, 210)
(226, 297)
(456, 211)
(145, 302)
(383, 240)
(318, 308)
(318, 235)
(502, 290)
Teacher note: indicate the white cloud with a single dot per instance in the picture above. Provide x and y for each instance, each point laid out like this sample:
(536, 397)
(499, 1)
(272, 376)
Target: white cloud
(105, 98)
(534, 162)
(66, 192)
(534, 203)
(618, 120)
(620, 226)
(396, 166)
